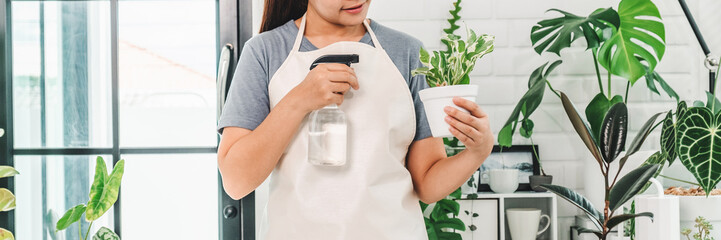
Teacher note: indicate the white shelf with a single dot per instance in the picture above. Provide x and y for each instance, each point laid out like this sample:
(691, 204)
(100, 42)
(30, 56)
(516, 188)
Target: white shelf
(515, 200)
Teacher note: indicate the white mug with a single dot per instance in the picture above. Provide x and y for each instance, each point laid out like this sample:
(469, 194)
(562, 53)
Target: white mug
(502, 180)
(523, 223)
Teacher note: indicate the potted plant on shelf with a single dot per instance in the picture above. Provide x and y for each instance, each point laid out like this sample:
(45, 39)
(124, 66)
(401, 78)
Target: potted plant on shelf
(447, 74)
(7, 199)
(617, 190)
(103, 194)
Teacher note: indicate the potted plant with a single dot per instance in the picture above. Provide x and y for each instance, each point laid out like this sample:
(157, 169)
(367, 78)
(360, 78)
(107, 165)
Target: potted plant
(617, 190)
(447, 75)
(103, 194)
(7, 199)
(536, 180)
(691, 135)
(703, 229)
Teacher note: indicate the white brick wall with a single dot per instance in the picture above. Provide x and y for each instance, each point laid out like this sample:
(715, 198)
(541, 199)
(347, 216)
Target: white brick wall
(503, 75)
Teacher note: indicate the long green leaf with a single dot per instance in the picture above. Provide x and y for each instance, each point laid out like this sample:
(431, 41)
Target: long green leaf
(108, 195)
(613, 132)
(8, 171)
(596, 111)
(70, 217)
(630, 185)
(698, 142)
(105, 234)
(640, 23)
(652, 77)
(656, 158)
(7, 200)
(615, 220)
(6, 235)
(581, 127)
(668, 138)
(578, 200)
(553, 35)
(639, 139)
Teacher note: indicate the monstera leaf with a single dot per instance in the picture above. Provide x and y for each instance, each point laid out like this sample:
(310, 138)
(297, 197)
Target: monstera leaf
(552, 35)
(698, 140)
(527, 105)
(641, 27)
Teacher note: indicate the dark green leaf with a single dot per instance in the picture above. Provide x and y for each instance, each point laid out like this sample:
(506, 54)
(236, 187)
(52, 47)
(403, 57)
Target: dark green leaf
(668, 138)
(443, 207)
(582, 230)
(680, 110)
(581, 127)
(70, 217)
(596, 111)
(526, 128)
(640, 24)
(613, 132)
(577, 200)
(615, 220)
(640, 138)
(505, 136)
(652, 77)
(553, 35)
(629, 185)
(453, 223)
(656, 158)
(475, 214)
(449, 236)
(698, 140)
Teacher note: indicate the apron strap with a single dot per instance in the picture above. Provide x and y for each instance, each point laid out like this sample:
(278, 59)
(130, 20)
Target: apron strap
(301, 31)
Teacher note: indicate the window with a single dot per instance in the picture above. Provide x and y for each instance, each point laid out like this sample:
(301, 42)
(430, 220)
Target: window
(131, 80)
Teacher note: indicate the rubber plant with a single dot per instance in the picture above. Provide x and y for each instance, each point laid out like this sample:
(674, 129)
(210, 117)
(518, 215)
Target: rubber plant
(608, 149)
(103, 194)
(617, 41)
(7, 199)
(693, 137)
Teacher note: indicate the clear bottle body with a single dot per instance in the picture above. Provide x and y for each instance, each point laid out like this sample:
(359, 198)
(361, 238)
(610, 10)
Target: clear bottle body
(327, 137)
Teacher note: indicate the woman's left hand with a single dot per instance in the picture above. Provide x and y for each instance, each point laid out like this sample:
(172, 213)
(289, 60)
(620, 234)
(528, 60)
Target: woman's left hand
(472, 128)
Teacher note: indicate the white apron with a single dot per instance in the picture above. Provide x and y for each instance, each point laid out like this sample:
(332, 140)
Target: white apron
(371, 197)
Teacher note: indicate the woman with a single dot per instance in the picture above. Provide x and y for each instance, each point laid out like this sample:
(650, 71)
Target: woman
(392, 159)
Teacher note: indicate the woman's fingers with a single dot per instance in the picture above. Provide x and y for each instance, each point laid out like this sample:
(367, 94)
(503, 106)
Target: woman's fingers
(341, 73)
(471, 106)
(468, 133)
(340, 88)
(463, 117)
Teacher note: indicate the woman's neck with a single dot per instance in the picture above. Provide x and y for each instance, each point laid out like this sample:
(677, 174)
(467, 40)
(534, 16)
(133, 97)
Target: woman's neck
(322, 33)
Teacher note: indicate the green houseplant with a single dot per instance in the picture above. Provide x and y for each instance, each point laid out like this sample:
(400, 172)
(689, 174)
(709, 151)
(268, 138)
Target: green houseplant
(103, 194)
(703, 229)
(447, 74)
(608, 149)
(618, 42)
(7, 199)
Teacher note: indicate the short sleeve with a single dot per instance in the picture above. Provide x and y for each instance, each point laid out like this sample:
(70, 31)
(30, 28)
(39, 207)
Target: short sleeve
(416, 84)
(247, 103)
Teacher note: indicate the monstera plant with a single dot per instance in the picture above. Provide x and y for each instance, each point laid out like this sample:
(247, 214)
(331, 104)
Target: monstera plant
(103, 194)
(619, 41)
(608, 149)
(694, 138)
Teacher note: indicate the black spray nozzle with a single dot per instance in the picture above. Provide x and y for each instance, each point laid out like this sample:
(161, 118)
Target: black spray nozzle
(346, 59)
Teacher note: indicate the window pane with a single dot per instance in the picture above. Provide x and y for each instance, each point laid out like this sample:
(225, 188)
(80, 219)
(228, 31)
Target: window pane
(167, 73)
(48, 186)
(61, 93)
(178, 191)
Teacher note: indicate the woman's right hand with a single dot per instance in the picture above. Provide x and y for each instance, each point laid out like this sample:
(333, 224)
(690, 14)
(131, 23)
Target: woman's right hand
(324, 85)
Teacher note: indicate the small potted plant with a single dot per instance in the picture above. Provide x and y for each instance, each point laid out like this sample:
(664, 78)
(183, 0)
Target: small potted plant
(536, 180)
(703, 227)
(447, 75)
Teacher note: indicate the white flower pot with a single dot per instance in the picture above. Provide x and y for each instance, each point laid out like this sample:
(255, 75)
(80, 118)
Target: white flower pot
(693, 206)
(435, 99)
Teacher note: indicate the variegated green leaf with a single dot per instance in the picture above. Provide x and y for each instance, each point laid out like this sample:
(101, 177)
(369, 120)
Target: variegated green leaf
(699, 145)
(7, 171)
(70, 217)
(108, 195)
(7, 200)
(6, 235)
(105, 234)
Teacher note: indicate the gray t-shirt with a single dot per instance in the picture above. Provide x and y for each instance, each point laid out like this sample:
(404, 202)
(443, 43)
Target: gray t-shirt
(247, 104)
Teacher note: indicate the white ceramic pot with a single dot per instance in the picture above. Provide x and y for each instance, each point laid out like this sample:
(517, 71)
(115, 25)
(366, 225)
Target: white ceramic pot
(693, 206)
(435, 99)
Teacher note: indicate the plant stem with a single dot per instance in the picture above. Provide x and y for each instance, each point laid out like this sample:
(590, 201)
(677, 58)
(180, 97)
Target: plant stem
(538, 159)
(80, 233)
(609, 84)
(679, 180)
(88, 232)
(598, 73)
(625, 98)
(552, 90)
